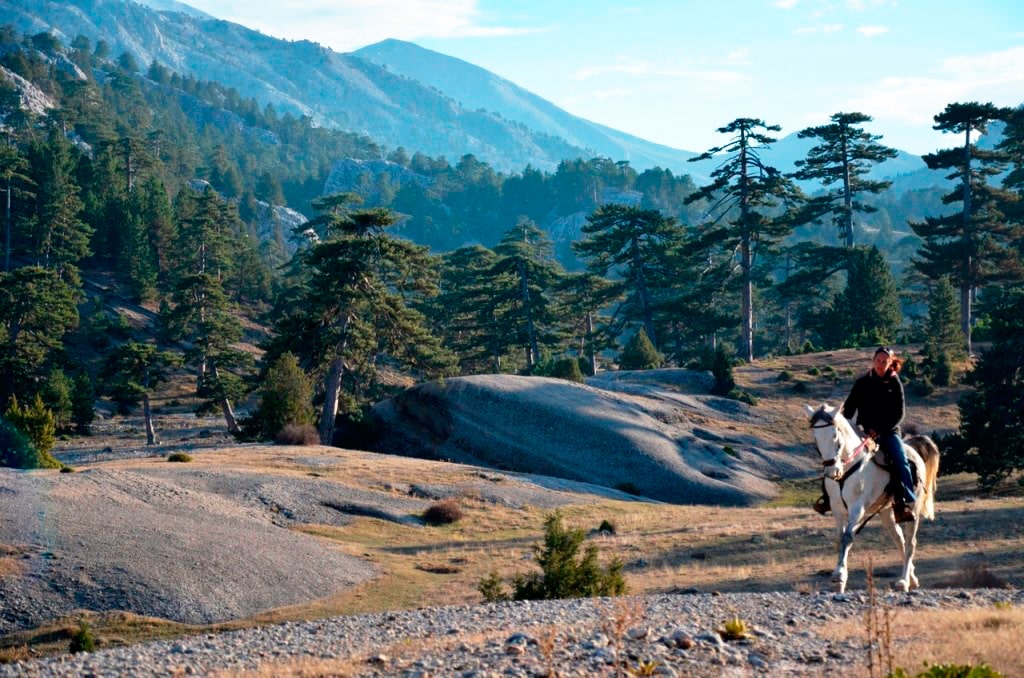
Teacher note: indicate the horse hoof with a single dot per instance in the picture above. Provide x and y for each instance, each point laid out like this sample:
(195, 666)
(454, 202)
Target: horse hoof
(901, 585)
(914, 583)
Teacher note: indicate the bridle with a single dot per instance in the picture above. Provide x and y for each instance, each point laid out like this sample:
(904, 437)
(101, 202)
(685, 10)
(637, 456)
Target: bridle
(822, 419)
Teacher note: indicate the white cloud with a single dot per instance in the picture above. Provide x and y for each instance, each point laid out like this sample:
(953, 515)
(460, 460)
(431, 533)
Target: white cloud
(997, 77)
(785, 4)
(826, 29)
(738, 57)
(866, 5)
(350, 24)
(872, 31)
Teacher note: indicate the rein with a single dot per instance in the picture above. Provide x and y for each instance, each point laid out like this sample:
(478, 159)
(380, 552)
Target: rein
(829, 421)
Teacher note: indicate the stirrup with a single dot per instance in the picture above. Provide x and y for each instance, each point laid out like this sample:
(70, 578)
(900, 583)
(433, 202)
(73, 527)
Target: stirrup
(821, 505)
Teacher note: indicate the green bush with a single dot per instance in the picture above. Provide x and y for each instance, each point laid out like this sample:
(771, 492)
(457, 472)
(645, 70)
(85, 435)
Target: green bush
(639, 353)
(800, 387)
(568, 369)
(82, 640)
(17, 451)
(286, 397)
(922, 387)
(721, 369)
(564, 572)
(728, 449)
(606, 526)
(809, 347)
(180, 457)
(37, 424)
(813, 371)
(492, 589)
(736, 393)
(785, 375)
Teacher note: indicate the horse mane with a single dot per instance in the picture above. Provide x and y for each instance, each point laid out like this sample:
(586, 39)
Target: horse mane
(844, 426)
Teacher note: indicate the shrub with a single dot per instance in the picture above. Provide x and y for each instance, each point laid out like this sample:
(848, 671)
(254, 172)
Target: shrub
(82, 640)
(180, 457)
(721, 369)
(492, 588)
(607, 526)
(922, 387)
(800, 387)
(565, 573)
(952, 671)
(728, 449)
(736, 393)
(20, 429)
(444, 512)
(286, 397)
(813, 371)
(297, 434)
(35, 421)
(785, 375)
(734, 629)
(942, 370)
(808, 347)
(66, 469)
(568, 369)
(639, 353)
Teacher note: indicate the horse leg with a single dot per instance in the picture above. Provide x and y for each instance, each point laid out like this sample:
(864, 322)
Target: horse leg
(909, 580)
(840, 516)
(840, 577)
(889, 521)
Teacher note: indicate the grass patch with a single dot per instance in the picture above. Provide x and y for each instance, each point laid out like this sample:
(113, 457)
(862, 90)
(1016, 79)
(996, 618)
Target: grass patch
(796, 493)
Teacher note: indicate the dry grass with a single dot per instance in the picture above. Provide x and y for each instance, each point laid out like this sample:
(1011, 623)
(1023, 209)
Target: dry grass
(18, 653)
(994, 637)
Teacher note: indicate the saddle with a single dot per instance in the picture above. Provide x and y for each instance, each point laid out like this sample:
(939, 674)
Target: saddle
(886, 463)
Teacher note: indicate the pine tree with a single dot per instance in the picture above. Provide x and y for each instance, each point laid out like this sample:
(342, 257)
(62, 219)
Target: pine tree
(581, 296)
(968, 246)
(639, 353)
(634, 242)
(943, 340)
(131, 373)
(867, 312)
(36, 309)
(462, 313)
(16, 185)
(743, 191)
(846, 153)
(522, 281)
(355, 308)
(990, 440)
(60, 238)
(83, 403)
(201, 312)
(56, 393)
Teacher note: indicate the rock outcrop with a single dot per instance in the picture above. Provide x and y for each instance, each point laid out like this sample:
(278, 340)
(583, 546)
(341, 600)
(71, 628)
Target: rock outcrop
(648, 437)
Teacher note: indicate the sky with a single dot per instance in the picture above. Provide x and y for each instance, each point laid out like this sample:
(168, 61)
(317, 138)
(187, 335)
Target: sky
(673, 71)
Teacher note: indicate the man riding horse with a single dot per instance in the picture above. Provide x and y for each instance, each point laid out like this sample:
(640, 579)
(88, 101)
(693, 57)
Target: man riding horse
(877, 399)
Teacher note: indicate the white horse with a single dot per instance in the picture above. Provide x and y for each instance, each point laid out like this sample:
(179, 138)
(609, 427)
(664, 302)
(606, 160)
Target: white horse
(856, 482)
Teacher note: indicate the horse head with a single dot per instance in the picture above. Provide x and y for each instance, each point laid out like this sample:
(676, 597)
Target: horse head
(827, 437)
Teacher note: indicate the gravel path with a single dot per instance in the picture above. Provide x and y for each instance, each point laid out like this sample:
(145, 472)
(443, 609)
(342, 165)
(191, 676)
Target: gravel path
(516, 639)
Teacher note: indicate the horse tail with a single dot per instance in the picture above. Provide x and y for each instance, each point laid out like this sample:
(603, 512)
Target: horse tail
(930, 455)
